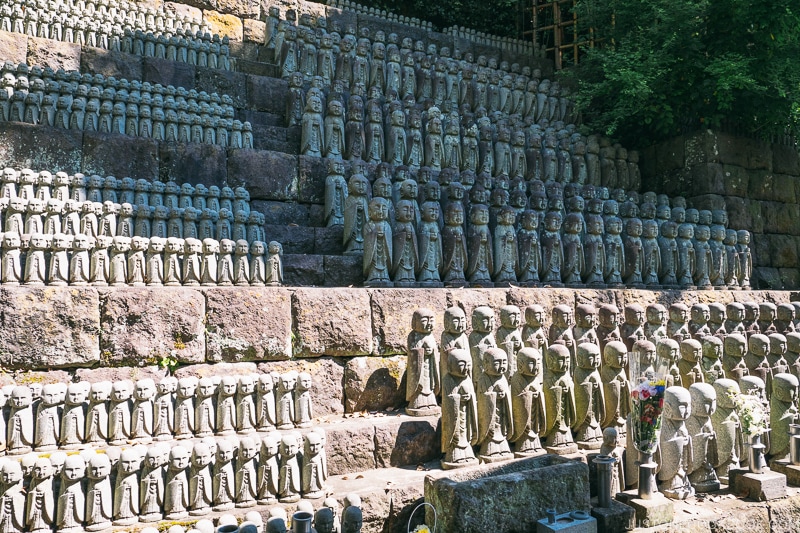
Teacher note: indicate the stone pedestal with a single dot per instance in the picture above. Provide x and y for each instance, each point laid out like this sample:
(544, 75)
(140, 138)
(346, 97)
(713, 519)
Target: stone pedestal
(792, 472)
(649, 513)
(615, 519)
(760, 487)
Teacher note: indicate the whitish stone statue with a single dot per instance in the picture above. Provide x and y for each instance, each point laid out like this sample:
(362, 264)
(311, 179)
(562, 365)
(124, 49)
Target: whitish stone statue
(246, 478)
(226, 406)
(616, 386)
(423, 366)
(704, 440)
(509, 334)
(97, 414)
(71, 503)
(378, 245)
(126, 488)
(19, 430)
(99, 500)
(534, 334)
(40, 509)
(783, 413)
(119, 412)
(164, 408)
(224, 477)
(144, 393)
(727, 428)
(314, 467)
(151, 485)
(495, 422)
(265, 402)
(12, 500)
(246, 416)
(73, 418)
(184, 408)
(176, 493)
(675, 445)
(290, 471)
(303, 406)
(268, 469)
(285, 400)
(559, 394)
(204, 410)
(48, 417)
(589, 397)
(712, 360)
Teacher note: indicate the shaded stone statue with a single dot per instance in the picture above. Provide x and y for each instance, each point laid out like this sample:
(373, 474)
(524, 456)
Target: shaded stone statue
(527, 400)
(355, 214)
(377, 245)
(423, 380)
(335, 193)
(495, 422)
(459, 411)
(704, 440)
(783, 413)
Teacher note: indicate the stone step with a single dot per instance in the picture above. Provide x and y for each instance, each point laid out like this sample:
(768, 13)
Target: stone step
(322, 270)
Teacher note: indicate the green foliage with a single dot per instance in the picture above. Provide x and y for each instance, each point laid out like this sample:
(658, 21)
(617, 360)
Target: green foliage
(498, 17)
(670, 66)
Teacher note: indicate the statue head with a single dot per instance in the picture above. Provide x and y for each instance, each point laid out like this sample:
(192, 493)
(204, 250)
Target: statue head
(201, 455)
(609, 316)
(21, 397)
(510, 316)
(187, 387)
(74, 468)
(586, 316)
(288, 446)
(99, 466)
(754, 386)
(786, 312)
(726, 392)
(793, 342)
(455, 321)
(323, 520)
(691, 350)
(767, 312)
(704, 399)
(100, 391)
(557, 358)
(178, 458)
(734, 312)
(634, 314)
(562, 316)
(588, 356)
(645, 352)
(677, 403)
(700, 313)
(712, 347)
(735, 345)
(495, 362)
(758, 345)
(784, 388)
(678, 313)
(777, 344)
(483, 319)
(668, 349)
(459, 363)
(422, 321)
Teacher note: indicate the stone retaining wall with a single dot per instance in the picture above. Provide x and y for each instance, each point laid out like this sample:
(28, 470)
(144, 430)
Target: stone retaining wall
(757, 182)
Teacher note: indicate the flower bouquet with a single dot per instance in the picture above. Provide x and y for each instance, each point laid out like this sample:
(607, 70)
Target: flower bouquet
(755, 423)
(647, 399)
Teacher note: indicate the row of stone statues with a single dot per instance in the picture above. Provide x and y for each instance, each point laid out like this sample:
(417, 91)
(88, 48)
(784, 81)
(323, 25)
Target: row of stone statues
(95, 103)
(75, 415)
(27, 184)
(81, 259)
(91, 491)
(146, 33)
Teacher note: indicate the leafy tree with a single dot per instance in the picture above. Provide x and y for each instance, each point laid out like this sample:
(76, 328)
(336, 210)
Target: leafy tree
(665, 67)
(497, 17)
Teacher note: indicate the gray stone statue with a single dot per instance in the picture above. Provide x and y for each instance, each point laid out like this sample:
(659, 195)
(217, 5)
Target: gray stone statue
(704, 440)
(783, 413)
(590, 402)
(495, 421)
(423, 380)
(727, 428)
(559, 394)
(459, 411)
(676, 445)
(616, 386)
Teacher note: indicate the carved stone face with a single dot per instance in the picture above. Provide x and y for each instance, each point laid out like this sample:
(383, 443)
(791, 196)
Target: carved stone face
(76, 393)
(21, 397)
(145, 389)
(121, 391)
(99, 466)
(178, 458)
(265, 383)
(304, 381)
(186, 387)
(129, 462)
(227, 386)
(201, 455)
(74, 468)
(51, 394)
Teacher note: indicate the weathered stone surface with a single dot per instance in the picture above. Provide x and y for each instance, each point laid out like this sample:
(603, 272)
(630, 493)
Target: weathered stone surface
(760, 487)
(328, 240)
(253, 324)
(49, 327)
(152, 324)
(295, 239)
(254, 31)
(766, 278)
(326, 385)
(53, 54)
(34, 376)
(783, 250)
(218, 81)
(392, 310)
(36, 147)
(14, 47)
(261, 118)
(509, 496)
(469, 299)
(751, 519)
(707, 178)
(708, 201)
(119, 155)
(111, 63)
(240, 8)
(167, 72)
(736, 180)
(790, 277)
(187, 8)
(374, 383)
(407, 441)
(217, 369)
(133, 373)
(193, 163)
(222, 24)
(267, 94)
(311, 184)
(746, 213)
(303, 270)
(267, 175)
(784, 515)
(654, 512)
(350, 447)
(781, 217)
(785, 159)
(343, 270)
(617, 517)
(748, 153)
(331, 322)
(278, 213)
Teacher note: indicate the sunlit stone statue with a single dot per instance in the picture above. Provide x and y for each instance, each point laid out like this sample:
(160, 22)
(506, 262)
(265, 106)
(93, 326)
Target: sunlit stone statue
(246, 477)
(315, 472)
(176, 493)
(290, 470)
(481, 338)
(48, 417)
(559, 394)
(616, 386)
(495, 422)
(20, 426)
(71, 503)
(675, 445)
(783, 413)
(704, 440)
(377, 245)
(223, 482)
(727, 428)
(126, 488)
(73, 418)
(119, 412)
(144, 392)
(12, 500)
(459, 411)
(99, 500)
(97, 413)
(40, 508)
(423, 380)
(589, 397)
(527, 400)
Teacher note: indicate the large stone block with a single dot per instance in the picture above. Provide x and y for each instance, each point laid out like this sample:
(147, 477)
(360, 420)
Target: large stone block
(790, 277)
(736, 180)
(241, 8)
(133, 373)
(328, 240)
(40, 148)
(343, 270)
(374, 383)
(753, 519)
(119, 155)
(222, 24)
(184, 9)
(267, 94)
(303, 270)
(53, 54)
(784, 515)
(49, 327)
(311, 185)
(295, 239)
(707, 178)
(14, 47)
(111, 63)
(700, 147)
(781, 217)
(207, 370)
(785, 159)
(218, 81)
(510, 496)
(751, 154)
(327, 374)
(193, 163)
(252, 324)
(708, 201)
(152, 324)
(267, 175)
(350, 447)
(745, 213)
(392, 310)
(407, 441)
(331, 322)
(783, 250)
(281, 213)
(167, 72)
(254, 31)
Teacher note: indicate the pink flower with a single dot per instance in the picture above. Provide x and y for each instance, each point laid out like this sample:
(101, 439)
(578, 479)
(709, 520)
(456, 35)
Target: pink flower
(645, 394)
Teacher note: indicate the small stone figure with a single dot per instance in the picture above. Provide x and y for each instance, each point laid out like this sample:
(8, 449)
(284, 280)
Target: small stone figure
(676, 445)
(97, 414)
(727, 428)
(711, 362)
(224, 477)
(423, 366)
(335, 194)
(226, 406)
(265, 402)
(290, 472)
(314, 468)
(176, 493)
(12, 501)
(99, 500)
(20, 427)
(204, 412)
(268, 470)
(677, 327)
(589, 397)
(783, 414)
(745, 258)
(355, 214)
(246, 478)
(119, 412)
(459, 411)
(559, 393)
(48, 417)
(126, 489)
(142, 414)
(164, 409)
(704, 440)
(552, 250)
(454, 247)
(495, 422)
(303, 407)
(479, 245)
(40, 509)
(71, 503)
(285, 400)
(430, 247)
(405, 250)
(184, 408)
(616, 386)
(73, 418)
